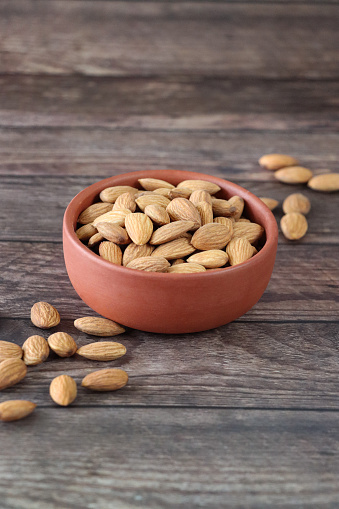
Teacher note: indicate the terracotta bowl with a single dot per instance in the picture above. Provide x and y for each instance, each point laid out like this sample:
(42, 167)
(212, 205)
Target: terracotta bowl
(168, 303)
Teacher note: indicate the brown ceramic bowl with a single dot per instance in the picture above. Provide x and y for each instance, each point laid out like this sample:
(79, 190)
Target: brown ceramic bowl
(168, 303)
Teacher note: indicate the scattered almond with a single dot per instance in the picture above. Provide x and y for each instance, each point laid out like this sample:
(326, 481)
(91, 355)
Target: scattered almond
(211, 236)
(297, 202)
(294, 225)
(15, 409)
(277, 161)
(110, 252)
(44, 315)
(149, 264)
(212, 259)
(9, 351)
(294, 175)
(139, 227)
(12, 371)
(63, 390)
(102, 351)
(105, 380)
(239, 250)
(35, 350)
(271, 203)
(62, 344)
(97, 326)
(327, 182)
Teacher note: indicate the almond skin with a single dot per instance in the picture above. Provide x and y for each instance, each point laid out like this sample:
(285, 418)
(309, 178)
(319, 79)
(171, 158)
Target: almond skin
(12, 371)
(125, 201)
(181, 209)
(157, 214)
(114, 216)
(179, 193)
(10, 351)
(177, 248)
(134, 251)
(85, 232)
(294, 175)
(247, 230)
(36, 350)
(63, 390)
(223, 208)
(199, 196)
(271, 203)
(327, 182)
(238, 203)
(170, 232)
(239, 250)
(149, 264)
(44, 315)
(186, 268)
(277, 161)
(102, 351)
(110, 252)
(294, 225)
(212, 259)
(62, 344)
(110, 194)
(178, 261)
(150, 184)
(113, 233)
(211, 236)
(152, 199)
(105, 380)
(139, 227)
(297, 202)
(16, 409)
(206, 212)
(95, 240)
(195, 185)
(97, 326)
(226, 221)
(94, 211)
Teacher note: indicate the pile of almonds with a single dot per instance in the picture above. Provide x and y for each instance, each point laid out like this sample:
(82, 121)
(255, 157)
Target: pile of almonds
(35, 350)
(163, 228)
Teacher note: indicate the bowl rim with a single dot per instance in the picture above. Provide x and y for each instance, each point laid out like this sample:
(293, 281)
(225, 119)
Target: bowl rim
(271, 229)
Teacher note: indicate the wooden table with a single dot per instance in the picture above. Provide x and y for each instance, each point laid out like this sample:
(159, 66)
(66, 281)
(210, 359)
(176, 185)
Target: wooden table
(244, 416)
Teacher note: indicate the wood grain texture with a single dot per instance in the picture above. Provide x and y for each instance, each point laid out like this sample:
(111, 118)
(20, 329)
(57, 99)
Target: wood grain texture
(127, 38)
(170, 458)
(168, 103)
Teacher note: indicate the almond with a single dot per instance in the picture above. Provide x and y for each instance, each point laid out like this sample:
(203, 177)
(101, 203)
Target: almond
(294, 225)
(9, 351)
(181, 209)
(297, 202)
(85, 232)
(44, 315)
(164, 191)
(205, 185)
(152, 199)
(211, 236)
(35, 350)
(223, 208)
(294, 175)
(94, 211)
(179, 193)
(96, 239)
(239, 250)
(157, 214)
(105, 380)
(15, 409)
(63, 390)
(139, 227)
(238, 203)
(206, 212)
(327, 182)
(97, 326)
(178, 261)
(142, 192)
(110, 194)
(186, 268)
(125, 201)
(271, 203)
(247, 230)
(170, 232)
(177, 248)
(134, 251)
(151, 184)
(102, 351)
(114, 216)
(113, 233)
(149, 264)
(199, 196)
(212, 259)
(110, 252)
(276, 161)
(11, 372)
(243, 220)
(62, 344)
(226, 221)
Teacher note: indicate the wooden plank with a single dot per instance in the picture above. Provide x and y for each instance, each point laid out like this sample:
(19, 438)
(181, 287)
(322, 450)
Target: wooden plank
(191, 103)
(303, 285)
(134, 38)
(251, 365)
(170, 459)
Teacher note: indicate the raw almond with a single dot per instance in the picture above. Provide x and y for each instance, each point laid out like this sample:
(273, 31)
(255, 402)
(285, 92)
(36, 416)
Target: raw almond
(134, 251)
(177, 248)
(271, 203)
(102, 351)
(178, 261)
(199, 196)
(294, 175)
(327, 182)
(105, 380)
(238, 203)
(149, 264)
(62, 344)
(297, 202)
(9, 351)
(157, 214)
(179, 193)
(139, 227)
(110, 194)
(206, 212)
(181, 209)
(247, 230)
(243, 220)
(85, 232)
(152, 199)
(15, 409)
(96, 239)
(94, 211)
(212, 259)
(44, 315)
(151, 184)
(12, 371)
(36, 350)
(276, 161)
(239, 250)
(125, 201)
(63, 390)
(170, 232)
(294, 225)
(110, 252)
(223, 208)
(113, 233)
(205, 185)
(97, 326)
(186, 268)
(226, 221)
(114, 216)
(164, 191)
(211, 236)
